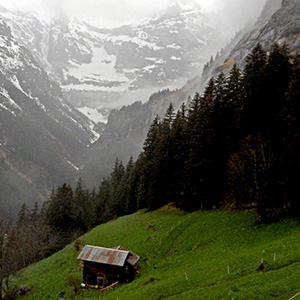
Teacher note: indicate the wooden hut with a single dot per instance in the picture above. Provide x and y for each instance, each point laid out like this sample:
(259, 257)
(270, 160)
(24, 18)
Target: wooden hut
(104, 266)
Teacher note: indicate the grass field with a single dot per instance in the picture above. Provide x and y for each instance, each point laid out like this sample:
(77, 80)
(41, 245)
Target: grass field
(200, 255)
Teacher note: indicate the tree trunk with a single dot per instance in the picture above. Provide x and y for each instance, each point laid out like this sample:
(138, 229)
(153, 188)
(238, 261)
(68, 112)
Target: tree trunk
(1, 281)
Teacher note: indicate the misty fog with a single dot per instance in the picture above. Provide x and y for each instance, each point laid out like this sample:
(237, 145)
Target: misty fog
(235, 13)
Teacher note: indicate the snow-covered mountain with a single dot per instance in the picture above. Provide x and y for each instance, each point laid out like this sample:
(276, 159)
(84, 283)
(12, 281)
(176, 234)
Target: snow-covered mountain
(98, 67)
(42, 137)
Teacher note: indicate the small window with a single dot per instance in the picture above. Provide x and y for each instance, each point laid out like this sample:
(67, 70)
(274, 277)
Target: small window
(91, 280)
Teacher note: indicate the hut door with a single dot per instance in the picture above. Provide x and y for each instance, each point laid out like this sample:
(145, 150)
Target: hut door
(100, 282)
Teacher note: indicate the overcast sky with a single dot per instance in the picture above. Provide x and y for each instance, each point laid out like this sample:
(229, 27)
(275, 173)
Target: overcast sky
(110, 13)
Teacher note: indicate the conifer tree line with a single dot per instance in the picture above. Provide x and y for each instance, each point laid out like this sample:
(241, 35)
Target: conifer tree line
(235, 145)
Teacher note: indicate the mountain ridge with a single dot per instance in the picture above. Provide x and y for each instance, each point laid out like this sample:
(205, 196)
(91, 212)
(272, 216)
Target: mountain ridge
(42, 137)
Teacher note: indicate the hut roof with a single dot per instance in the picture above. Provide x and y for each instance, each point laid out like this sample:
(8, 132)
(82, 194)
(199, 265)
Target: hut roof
(133, 258)
(102, 255)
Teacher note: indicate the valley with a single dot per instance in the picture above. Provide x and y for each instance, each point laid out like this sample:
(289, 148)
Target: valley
(169, 136)
(93, 69)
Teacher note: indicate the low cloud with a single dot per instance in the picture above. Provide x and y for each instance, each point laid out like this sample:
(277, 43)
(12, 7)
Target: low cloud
(236, 13)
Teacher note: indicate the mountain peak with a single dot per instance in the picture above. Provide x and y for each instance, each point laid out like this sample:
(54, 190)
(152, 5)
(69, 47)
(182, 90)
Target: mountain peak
(62, 18)
(183, 5)
(188, 4)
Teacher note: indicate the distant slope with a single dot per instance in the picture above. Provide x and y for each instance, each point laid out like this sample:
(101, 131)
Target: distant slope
(203, 255)
(41, 135)
(125, 132)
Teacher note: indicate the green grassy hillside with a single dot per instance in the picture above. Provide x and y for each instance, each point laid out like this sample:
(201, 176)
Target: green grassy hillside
(201, 255)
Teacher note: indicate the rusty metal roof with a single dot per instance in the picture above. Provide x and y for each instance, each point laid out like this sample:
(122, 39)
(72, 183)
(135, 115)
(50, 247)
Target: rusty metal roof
(103, 255)
(133, 257)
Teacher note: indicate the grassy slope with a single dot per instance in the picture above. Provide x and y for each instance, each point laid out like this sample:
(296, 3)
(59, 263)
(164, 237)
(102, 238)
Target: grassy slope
(191, 254)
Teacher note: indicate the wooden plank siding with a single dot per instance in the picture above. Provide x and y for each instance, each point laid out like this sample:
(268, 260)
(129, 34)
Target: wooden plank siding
(103, 266)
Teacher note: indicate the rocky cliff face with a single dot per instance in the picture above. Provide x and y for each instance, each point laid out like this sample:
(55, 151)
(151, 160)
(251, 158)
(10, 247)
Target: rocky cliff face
(41, 136)
(270, 8)
(278, 23)
(282, 27)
